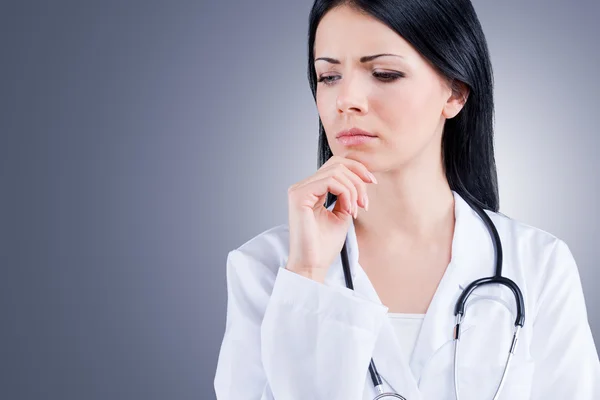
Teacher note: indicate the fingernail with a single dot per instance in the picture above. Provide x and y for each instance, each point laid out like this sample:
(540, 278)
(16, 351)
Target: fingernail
(373, 177)
(366, 201)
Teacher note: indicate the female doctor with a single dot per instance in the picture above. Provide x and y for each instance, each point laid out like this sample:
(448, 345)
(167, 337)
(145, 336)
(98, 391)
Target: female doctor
(367, 291)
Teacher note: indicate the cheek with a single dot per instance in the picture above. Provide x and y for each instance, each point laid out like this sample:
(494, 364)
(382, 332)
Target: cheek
(321, 105)
(326, 112)
(410, 110)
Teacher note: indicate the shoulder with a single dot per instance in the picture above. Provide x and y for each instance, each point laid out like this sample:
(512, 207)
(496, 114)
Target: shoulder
(262, 254)
(520, 236)
(541, 258)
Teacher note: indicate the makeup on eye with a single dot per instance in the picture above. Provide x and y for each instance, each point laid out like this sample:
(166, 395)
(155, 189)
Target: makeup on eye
(386, 76)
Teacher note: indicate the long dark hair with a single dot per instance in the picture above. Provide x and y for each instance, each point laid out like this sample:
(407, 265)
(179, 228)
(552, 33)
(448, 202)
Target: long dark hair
(448, 34)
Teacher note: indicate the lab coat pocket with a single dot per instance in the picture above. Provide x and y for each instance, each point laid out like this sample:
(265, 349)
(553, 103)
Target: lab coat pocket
(478, 377)
(481, 381)
(483, 351)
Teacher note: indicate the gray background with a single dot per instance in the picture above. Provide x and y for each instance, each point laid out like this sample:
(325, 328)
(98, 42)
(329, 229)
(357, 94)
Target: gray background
(141, 141)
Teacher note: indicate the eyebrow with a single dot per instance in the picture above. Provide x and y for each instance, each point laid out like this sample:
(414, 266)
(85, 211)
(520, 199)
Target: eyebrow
(362, 59)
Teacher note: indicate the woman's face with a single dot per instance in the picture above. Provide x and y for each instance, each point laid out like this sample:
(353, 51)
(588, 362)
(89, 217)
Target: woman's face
(400, 98)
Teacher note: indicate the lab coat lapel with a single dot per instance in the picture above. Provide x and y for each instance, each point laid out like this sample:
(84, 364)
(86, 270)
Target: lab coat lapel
(390, 359)
(470, 260)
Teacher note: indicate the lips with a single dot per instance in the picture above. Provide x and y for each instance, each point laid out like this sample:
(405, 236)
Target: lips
(354, 132)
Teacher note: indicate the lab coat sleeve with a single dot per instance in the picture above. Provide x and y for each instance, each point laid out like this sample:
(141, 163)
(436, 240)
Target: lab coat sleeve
(318, 340)
(240, 374)
(298, 340)
(566, 360)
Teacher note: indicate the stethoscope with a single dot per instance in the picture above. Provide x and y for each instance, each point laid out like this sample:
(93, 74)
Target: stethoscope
(459, 309)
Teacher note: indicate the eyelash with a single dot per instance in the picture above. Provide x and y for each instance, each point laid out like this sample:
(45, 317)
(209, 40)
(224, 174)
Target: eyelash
(387, 77)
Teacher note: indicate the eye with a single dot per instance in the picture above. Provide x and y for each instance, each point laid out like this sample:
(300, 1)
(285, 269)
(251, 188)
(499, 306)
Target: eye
(326, 79)
(382, 76)
(387, 76)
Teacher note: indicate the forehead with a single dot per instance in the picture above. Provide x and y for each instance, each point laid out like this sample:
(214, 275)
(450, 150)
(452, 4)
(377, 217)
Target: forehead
(345, 32)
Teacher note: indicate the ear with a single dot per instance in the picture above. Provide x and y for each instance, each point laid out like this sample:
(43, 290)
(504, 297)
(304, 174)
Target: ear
(458, 97)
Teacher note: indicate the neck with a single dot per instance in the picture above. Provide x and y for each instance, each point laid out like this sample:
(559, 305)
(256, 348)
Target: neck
(415, 203)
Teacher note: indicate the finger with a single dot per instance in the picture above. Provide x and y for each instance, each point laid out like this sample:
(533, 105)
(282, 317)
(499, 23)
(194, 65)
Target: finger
(352, 181)
(342, 174)
(358, 186)
(355, 166)
(310, 193)
(334, 185)
(361, 187)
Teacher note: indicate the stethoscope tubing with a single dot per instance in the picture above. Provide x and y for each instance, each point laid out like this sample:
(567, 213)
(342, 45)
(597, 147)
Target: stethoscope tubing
(459, 310)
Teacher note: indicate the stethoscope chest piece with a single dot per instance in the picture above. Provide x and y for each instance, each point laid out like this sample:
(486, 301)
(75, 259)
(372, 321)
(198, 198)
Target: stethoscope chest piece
(389, 396)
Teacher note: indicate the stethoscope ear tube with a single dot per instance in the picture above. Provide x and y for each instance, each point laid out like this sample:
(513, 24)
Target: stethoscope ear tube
(459, 309)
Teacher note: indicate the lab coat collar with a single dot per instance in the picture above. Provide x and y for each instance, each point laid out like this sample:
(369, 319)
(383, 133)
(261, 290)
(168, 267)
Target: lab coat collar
(472, 258)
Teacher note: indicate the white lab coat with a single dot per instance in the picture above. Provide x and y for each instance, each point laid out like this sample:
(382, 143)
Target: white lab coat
(288, 337)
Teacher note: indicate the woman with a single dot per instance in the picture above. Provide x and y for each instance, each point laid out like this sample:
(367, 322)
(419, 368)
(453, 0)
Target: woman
(399, 199)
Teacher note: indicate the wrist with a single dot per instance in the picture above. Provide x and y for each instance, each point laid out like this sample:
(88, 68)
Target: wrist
(310, 273)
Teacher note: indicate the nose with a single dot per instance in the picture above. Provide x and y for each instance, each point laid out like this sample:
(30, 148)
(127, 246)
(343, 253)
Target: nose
(352, 98)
